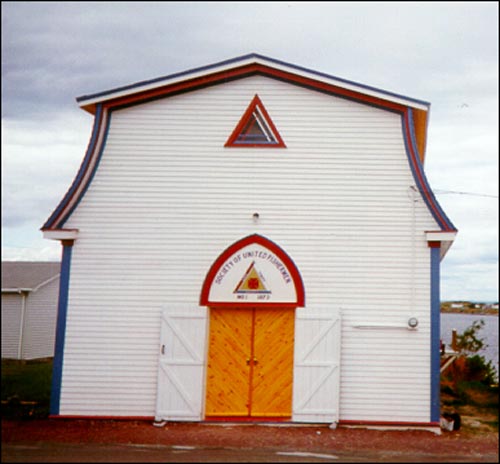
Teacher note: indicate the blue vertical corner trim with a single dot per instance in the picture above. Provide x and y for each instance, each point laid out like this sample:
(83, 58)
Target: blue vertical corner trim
(435, 335)
(417, 170)
(62, 310)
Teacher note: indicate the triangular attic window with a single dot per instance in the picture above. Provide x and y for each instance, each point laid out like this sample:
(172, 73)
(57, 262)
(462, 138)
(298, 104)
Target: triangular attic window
(255, 129)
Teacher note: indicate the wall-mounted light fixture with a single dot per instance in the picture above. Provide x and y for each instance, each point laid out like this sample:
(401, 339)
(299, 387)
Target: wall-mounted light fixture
(256, 217)
(412, 322)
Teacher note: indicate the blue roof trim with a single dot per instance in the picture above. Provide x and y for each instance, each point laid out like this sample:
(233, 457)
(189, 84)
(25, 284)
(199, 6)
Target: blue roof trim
(418, 172)
(92, 174)
(345, 81)
(162, 78)
(50, 223)
(236, 60)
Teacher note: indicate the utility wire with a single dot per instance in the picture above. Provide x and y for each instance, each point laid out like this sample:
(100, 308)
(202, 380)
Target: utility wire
(438, 191)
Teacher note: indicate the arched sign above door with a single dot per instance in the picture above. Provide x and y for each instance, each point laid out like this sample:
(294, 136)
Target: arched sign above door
(253, 271)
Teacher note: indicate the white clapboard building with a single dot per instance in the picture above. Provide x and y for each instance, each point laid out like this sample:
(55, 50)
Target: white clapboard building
(251, 240)
(29, 309)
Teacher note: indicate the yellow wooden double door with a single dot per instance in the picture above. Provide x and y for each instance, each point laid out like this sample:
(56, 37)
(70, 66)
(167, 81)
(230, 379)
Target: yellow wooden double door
(250, 363)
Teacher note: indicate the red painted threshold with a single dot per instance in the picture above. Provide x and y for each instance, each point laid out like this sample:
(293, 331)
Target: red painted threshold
(246, 419)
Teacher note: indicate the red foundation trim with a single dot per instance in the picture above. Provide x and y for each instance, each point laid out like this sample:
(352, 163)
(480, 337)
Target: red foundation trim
(388, 423)
(248, 419)
(125, 418)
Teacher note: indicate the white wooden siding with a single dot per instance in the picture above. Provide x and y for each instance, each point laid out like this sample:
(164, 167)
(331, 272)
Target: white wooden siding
(40, 324)
(168, 198)
(11, 324)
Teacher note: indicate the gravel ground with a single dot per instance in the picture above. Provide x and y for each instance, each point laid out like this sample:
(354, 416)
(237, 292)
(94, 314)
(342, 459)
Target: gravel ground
(458, 446)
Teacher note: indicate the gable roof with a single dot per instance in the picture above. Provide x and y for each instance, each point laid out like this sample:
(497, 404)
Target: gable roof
(255, 64)
(252, 63)
(414, 115)
(27, 275)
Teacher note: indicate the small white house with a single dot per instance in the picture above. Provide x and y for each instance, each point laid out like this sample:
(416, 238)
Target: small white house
(251, 240)
(29, 309)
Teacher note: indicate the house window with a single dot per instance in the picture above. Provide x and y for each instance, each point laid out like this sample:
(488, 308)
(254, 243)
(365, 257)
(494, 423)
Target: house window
(255, 129)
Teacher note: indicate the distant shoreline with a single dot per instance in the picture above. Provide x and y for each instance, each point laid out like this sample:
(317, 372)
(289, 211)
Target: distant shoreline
(478, 312)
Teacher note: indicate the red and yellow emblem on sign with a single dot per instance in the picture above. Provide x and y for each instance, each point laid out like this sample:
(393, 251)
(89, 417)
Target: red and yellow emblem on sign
(251, 282)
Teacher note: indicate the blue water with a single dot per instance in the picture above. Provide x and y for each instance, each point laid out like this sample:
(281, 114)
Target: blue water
(489, 332)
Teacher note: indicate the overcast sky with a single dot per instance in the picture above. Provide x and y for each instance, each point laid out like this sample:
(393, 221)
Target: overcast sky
(443, 53)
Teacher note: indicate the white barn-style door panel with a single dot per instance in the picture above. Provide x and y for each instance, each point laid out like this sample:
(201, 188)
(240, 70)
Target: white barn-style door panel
(181, 367)
(316, 377)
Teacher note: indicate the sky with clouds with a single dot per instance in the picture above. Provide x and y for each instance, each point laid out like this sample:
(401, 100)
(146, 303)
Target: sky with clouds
(445, 53)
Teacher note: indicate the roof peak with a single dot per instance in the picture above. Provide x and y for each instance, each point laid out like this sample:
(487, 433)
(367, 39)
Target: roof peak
(90, 100)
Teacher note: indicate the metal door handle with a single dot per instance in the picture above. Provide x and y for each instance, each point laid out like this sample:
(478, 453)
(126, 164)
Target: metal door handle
(163, 349)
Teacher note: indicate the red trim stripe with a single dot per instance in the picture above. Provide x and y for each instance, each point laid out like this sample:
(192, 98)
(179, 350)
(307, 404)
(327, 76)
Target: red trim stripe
(248, 70)
(421, 181)
(78, 417)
